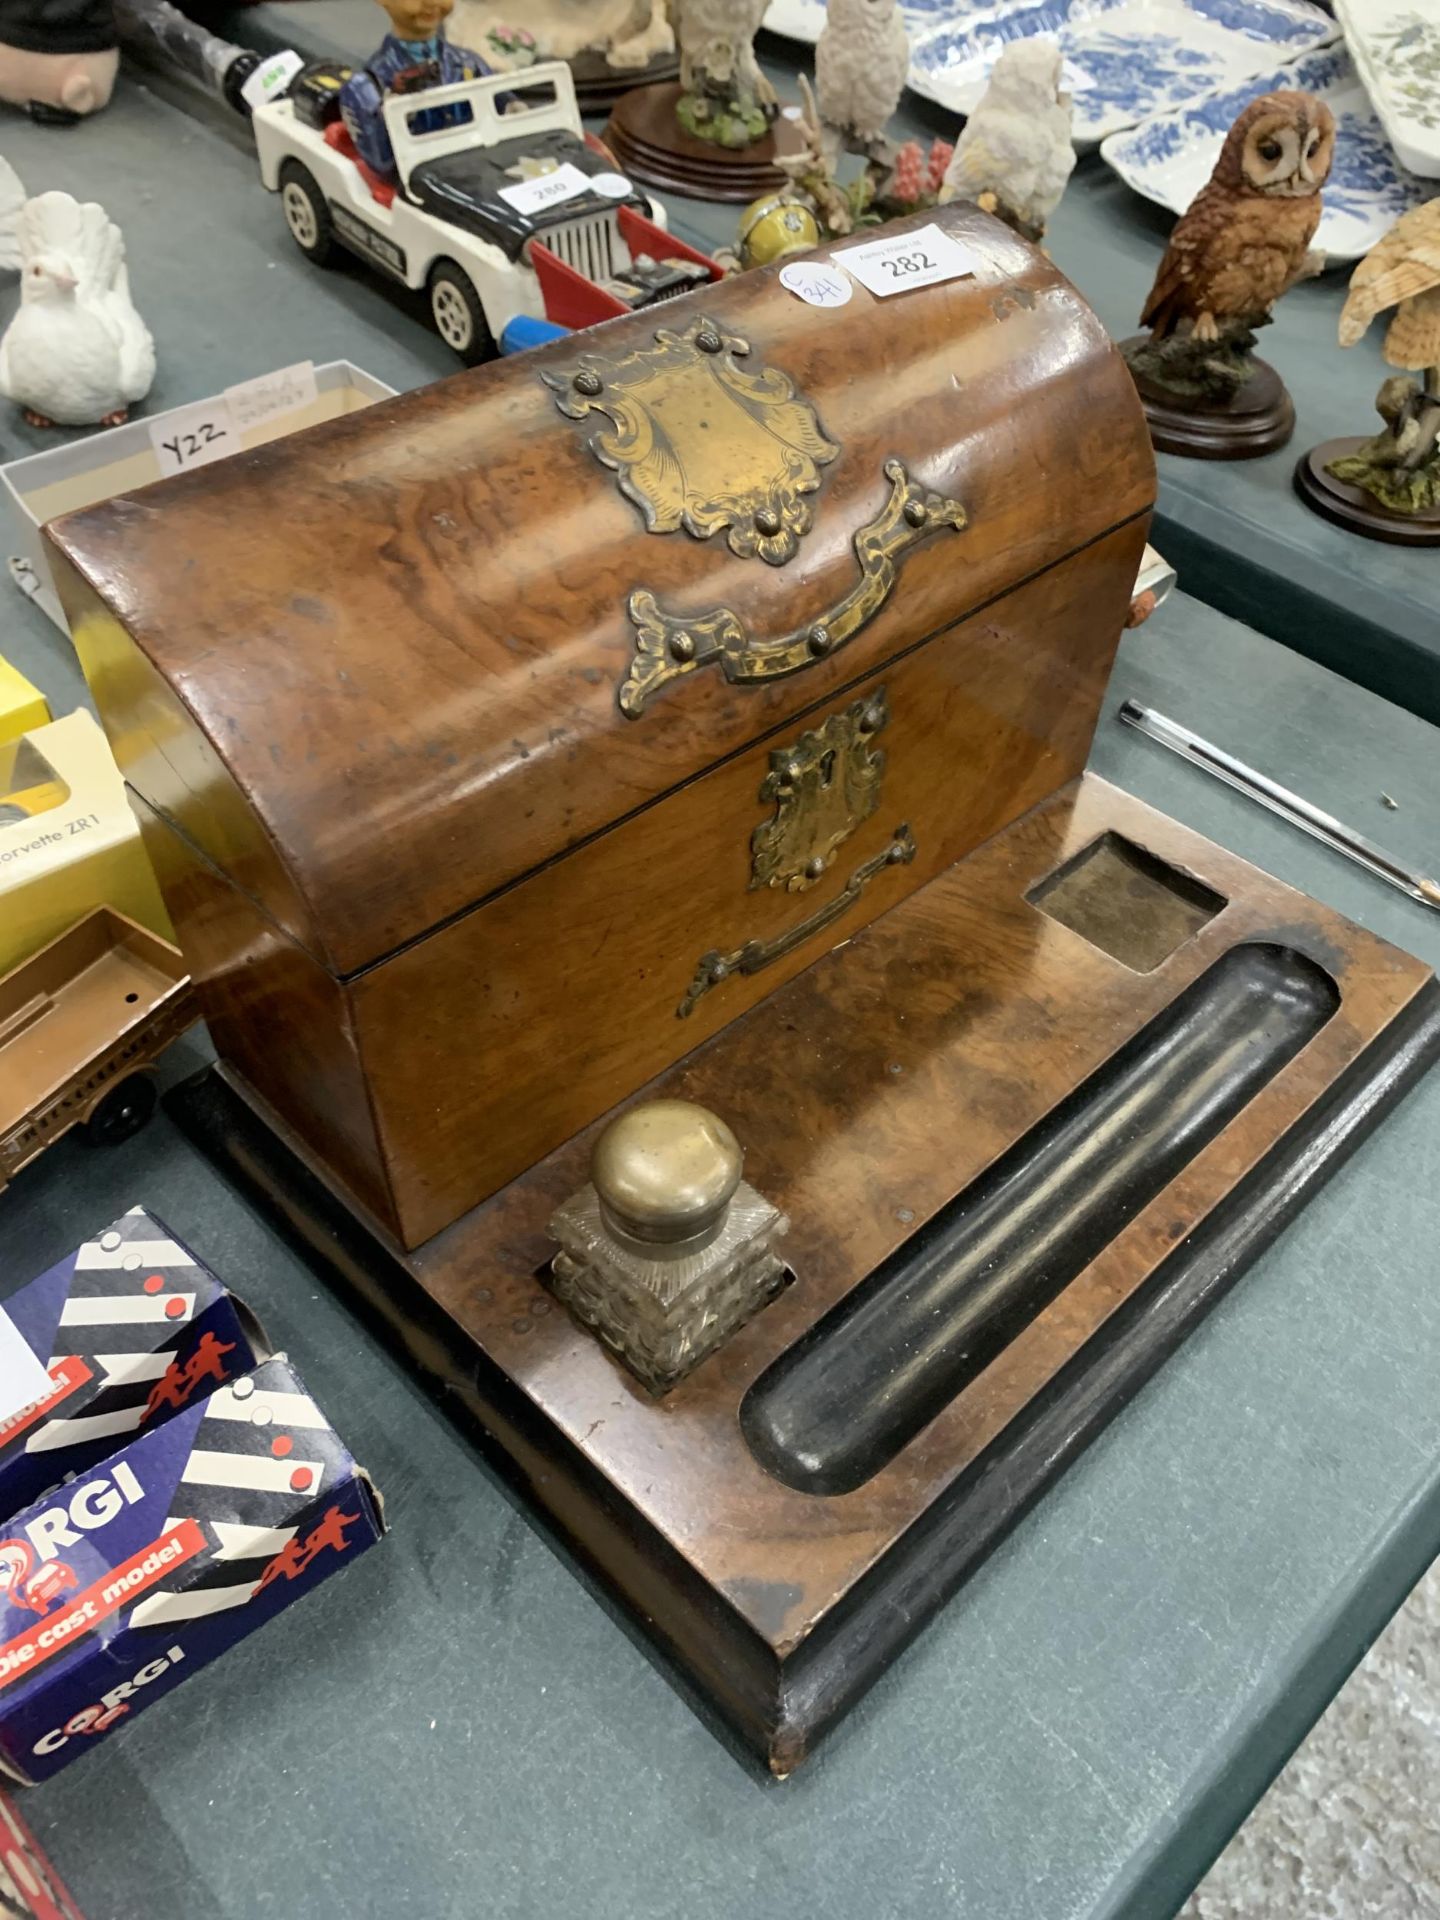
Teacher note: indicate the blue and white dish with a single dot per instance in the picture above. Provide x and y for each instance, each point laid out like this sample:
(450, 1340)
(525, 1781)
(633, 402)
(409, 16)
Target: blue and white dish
(805, 19)
(1124, 59)
(1396, 44)
(1170, 157)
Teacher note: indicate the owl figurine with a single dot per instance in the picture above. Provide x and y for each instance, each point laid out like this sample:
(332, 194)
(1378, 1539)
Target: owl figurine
(1401, 275)
(861, 61)
(1244, 241)
(1014, 155)
(725, 98)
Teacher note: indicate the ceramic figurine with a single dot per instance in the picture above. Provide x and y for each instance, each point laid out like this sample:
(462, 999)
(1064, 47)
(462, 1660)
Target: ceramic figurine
(724, 97)
(415, 54)
(717, 134)
(861, 60)
(1015, 153)
(610, 44)
(1243, 243)
(1389, 486)
(58, 58)
(77, 354)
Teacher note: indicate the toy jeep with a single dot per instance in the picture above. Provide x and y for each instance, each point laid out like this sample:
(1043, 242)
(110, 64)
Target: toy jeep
(503, 211)
(81, 1024)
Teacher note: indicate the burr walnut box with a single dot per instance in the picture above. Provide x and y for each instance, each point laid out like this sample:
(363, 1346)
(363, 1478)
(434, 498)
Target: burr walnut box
(661, 751)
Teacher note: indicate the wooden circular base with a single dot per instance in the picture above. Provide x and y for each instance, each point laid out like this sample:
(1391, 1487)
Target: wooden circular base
(1352, 507)
(598, 85)
(653, 148)
(1260, 418)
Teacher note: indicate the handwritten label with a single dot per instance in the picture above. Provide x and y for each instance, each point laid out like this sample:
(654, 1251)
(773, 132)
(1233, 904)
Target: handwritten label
(193, 436)
(23, 1378)
(901, 261)
(254, 402)
(270, 79)
(816, 282)
(565, 182)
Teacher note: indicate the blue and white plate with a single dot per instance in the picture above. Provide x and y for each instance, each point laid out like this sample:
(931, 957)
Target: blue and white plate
(1125, 59)
(1170, 157)
(1396, 44)
(805, 19)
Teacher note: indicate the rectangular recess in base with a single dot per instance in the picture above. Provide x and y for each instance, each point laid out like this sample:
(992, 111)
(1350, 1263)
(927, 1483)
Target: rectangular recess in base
(868, 1092)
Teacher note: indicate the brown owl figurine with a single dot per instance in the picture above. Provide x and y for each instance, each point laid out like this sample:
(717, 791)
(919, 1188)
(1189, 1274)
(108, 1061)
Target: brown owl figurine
(1243, 242)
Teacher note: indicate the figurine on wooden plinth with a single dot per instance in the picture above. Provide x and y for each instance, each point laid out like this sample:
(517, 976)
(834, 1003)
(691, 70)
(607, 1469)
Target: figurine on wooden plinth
(1015, 154)
(609, 45)
(716, 134)
(1244, 242)
(1388, 487)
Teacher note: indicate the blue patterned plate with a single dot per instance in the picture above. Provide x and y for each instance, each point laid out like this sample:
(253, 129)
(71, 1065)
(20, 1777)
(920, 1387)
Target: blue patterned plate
(805, 19)
(1125, 59)
(1396, 44)
(1169, 158)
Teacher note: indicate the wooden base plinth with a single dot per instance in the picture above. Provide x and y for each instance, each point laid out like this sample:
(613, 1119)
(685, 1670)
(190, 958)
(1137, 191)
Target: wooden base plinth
(653, 148)
(1260, 418)
(1353, 508)
(869, 1092)
(598, 85)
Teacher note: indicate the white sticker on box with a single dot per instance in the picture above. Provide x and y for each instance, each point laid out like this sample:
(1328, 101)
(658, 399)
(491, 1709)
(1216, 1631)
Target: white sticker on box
(24, 1379)
(254, 402)
(270, 78)
(900, 261)
(816, 282)
(565, 182)
(193, 436)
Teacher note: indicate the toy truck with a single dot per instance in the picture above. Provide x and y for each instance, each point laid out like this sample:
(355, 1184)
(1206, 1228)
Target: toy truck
(82, 1023)
(501, 209)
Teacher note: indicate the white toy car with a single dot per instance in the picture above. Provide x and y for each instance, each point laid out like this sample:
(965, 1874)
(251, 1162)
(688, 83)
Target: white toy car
(502, 211)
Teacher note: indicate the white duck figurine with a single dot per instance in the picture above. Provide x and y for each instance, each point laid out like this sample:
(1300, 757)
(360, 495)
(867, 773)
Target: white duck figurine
(77, 354)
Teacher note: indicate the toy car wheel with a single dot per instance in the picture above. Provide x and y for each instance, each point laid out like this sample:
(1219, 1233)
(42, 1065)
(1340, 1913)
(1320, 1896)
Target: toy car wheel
(458, 315)
(123, 1112)
(306, 213)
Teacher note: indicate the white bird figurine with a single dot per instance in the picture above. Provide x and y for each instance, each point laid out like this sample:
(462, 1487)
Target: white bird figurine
(77, 354)
(1014, 154)
(861, 60)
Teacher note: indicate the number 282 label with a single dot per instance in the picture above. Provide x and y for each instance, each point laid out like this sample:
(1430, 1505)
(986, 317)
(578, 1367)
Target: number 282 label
(920, 258)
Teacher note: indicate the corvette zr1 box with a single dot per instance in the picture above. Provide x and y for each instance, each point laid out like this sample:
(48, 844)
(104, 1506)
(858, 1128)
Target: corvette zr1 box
(130, 1327)
(117, 1585)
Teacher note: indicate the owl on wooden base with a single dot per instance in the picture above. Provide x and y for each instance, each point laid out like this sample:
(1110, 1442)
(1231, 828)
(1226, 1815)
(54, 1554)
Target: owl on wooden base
(1244, 241)
(724, 96)
(1401, 466)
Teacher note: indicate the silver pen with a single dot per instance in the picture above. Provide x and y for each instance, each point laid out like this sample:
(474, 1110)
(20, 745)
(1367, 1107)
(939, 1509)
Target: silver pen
(1300, 813)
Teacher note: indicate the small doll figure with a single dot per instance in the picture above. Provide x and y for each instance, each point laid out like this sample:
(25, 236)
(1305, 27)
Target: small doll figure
(414, 55)
(1244, 242)
(58, 58)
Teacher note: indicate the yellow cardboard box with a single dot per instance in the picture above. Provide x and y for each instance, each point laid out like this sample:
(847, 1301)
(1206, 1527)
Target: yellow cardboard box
(68, 840)
(21, 705)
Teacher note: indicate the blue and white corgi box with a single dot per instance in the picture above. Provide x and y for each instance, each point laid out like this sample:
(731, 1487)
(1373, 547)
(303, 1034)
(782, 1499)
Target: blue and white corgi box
(125, 1580)
(129, 1328)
